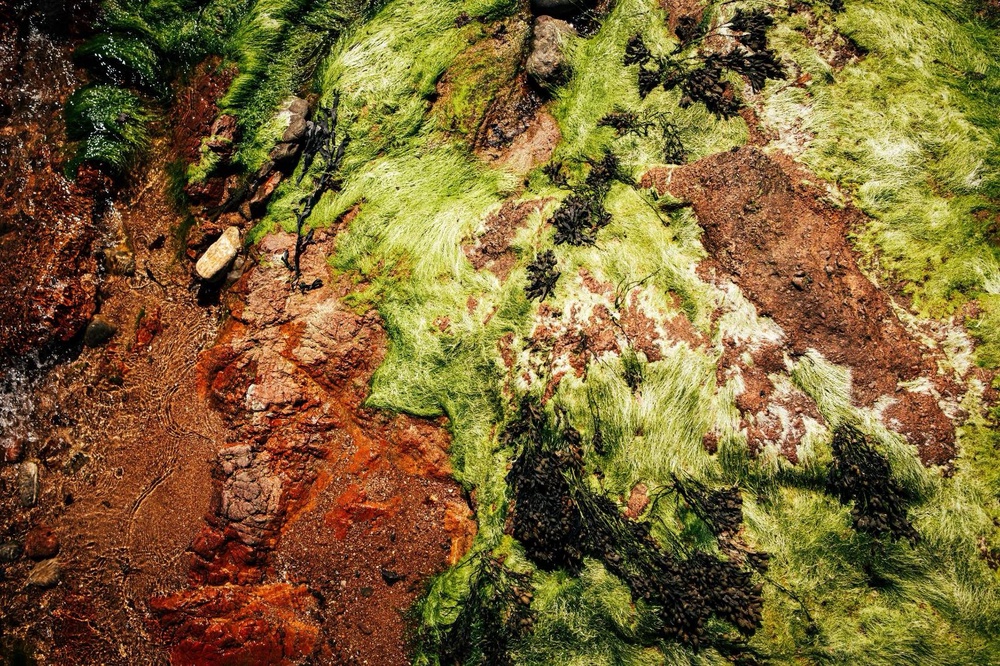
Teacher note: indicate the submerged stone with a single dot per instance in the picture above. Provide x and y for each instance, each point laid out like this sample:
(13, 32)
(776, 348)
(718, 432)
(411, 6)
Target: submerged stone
(27, 484)
(99, 331)
(219, 255)
(10, 551)
(45, 574)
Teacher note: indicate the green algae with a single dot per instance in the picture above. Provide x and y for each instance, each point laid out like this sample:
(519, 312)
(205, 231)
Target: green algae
(421, 195)
(910, 129)
(111, 124)
(907, 131)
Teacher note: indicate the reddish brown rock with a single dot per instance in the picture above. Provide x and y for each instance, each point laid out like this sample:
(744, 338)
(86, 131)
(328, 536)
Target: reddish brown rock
(313, 483)
(41, 543)
(775, 235)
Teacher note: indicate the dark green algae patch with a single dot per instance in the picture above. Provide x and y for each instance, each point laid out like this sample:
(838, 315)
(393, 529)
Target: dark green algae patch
(889, 102)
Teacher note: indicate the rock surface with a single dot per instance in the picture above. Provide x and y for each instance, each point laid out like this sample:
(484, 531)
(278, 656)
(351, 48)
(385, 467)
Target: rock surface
(547, 62)
(27, 484)
(219, 255)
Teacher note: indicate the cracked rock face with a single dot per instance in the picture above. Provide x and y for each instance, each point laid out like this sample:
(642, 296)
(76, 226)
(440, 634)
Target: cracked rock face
(250, 492)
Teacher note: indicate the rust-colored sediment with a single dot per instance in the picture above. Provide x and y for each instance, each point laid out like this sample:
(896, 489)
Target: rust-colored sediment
(48, 224)
(772, 232)
(492, 249)
(353, 506)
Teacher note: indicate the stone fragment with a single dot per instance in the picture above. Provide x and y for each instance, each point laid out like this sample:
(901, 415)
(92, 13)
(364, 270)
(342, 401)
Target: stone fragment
(222, 135)
(219, 255)
(258, 203)
(41, 543)
(45, 574)
(547, 64)
(99, 331)
(120, 260)
(27, 484)
(10, 551)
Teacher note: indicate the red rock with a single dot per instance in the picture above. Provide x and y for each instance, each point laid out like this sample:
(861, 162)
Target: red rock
(41, 543)
(13, 451)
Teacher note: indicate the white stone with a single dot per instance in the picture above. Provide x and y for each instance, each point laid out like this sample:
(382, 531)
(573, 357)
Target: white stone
(218, 257)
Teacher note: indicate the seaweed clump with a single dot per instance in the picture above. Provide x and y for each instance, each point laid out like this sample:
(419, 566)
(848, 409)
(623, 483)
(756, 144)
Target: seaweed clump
(721, 510)
(542, 276)
(861, 475)
(700, 75)
(559, 520)
(582, 214)
(494, 614)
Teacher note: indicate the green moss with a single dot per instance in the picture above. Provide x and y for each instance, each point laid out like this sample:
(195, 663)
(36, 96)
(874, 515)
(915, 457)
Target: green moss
(111, 125)
(123, 61)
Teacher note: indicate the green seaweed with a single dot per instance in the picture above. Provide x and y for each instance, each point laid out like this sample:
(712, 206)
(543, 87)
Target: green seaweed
(111, 124)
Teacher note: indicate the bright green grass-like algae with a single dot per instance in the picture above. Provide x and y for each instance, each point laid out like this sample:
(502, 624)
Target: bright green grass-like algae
(906, 130)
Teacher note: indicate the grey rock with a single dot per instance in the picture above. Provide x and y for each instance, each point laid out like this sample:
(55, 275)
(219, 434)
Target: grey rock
(45, 574)
(251, 492)
(285, 152)
(10, 551)
(99, 331)
(547, 63)
(296, 129)
(27, 484)
(298, 107)
(219, 255)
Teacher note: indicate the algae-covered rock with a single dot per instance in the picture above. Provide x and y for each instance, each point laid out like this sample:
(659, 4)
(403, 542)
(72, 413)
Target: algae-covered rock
(547, 63)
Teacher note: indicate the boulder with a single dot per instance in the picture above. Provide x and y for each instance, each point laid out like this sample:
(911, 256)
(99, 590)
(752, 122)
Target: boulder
(547, 62)
(99, 331)
(219, 255)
